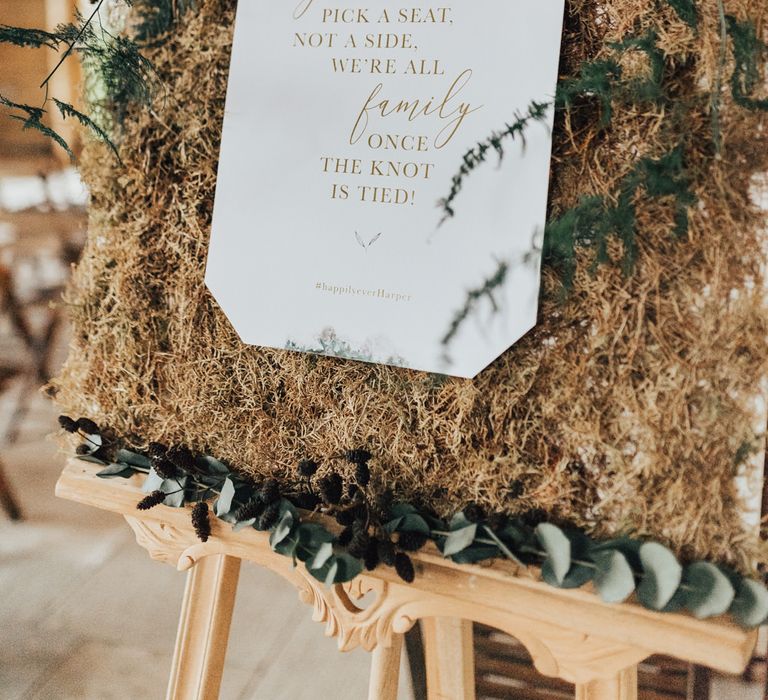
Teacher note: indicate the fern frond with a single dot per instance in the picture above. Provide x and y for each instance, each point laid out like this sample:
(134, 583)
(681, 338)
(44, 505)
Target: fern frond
(67, 110)
(28, 38)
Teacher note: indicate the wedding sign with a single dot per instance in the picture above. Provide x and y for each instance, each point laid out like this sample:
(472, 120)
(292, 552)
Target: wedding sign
(363, 208)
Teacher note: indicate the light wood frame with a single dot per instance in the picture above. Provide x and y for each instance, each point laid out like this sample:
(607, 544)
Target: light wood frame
(572, 635)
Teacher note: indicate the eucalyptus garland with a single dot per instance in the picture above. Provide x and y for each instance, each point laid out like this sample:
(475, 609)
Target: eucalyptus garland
(375, 530)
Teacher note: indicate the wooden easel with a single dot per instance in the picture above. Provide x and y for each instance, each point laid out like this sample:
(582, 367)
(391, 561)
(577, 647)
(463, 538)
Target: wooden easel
(572, 635)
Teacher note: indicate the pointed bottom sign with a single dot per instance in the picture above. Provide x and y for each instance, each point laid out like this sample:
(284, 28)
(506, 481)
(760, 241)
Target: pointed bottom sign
(363, 208)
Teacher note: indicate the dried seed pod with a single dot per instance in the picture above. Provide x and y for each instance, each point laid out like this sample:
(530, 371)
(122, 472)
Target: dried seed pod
(404, 567)
(156, 450)
(412, 541)
(201, 522)
(270, 491)
(474, 513)
(362, 474)
(307, 468)
(165, 469)
(331, 488)
(154, 499)
(387, 552)
(251, 510)
(371, 558)
(86, 425)
(269, 517)
(69, 424)
(358, 456)
(359, 544)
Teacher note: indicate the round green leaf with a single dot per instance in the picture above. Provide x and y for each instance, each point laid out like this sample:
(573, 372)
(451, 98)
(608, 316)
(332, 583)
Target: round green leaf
(614, 578)
(283, 529)
(115, 471)
(413, 523)
(662, 576)
(132, 458)
(750, 606)
(576, 577)
(558, 549)
(708, 591)
(224, 501)
(459, 540)
(323, 554)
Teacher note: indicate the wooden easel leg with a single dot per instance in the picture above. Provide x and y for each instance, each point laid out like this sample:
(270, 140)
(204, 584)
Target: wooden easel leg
(385, 670)
(7, 499)
(622, 687)
(201, 642)
(450, 658)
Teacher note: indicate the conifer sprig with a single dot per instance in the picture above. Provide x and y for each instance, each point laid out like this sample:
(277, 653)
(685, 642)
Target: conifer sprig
(496, 144)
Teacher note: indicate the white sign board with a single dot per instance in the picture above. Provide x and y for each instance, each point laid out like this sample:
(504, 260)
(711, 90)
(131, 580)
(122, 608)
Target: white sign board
(345, 126)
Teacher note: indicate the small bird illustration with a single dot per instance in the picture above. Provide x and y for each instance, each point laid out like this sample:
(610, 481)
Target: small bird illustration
(365, 245)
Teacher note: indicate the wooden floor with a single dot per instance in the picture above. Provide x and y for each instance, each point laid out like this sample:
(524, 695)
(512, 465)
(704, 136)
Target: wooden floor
(86, 615)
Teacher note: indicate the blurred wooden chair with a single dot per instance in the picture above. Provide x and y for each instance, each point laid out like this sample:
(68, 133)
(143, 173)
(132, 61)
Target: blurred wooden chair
(45, 235)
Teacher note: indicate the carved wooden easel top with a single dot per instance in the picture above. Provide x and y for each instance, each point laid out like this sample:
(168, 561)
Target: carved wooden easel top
(572, 635)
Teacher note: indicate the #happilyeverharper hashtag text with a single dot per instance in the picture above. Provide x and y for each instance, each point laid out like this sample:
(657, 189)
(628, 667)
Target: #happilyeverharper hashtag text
(349, 290)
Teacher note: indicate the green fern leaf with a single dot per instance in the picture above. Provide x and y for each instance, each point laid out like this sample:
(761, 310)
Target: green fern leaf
(67, 110)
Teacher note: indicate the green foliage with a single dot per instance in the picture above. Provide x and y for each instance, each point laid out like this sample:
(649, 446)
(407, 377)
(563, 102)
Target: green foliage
(596, 79)
(749, 51)
(496, 144)
(474, 298)
(120, 75)
(686, 10)
(568, 558)
(32, 118)
(67, 110)
(596, 219)
(709, 593)
(28, 38)
(558, 549)
(663, 575)
(603, 80)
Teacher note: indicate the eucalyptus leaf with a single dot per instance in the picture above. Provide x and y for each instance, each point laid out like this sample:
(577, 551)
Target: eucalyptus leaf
(459, 540)
(401, 509)
(132, 458)
(750, 606)
(116, 471)
(614, 578)
(476, 553)
(288, 546)
(321, 557)
(224, 501)
(577, 576)
(662, 576)
(393, 525)
(413, 523)
(708, 591)
(213, 465)
(153, 482)
(558, 549)
(331, 570)
(314, 535)
(282, 529)
(459, 522)
(93, 442)
(349, 568)
(92, 460)
(243, 524)
(175, 489)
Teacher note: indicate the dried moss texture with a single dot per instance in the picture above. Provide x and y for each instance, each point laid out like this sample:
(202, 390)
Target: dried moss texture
(630, 407)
